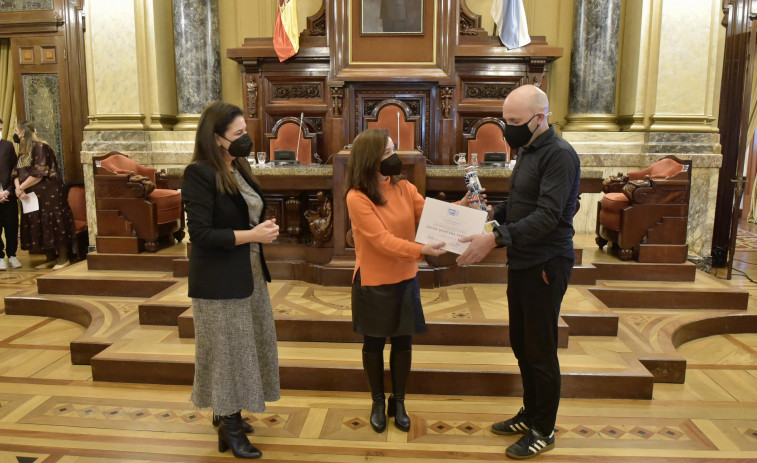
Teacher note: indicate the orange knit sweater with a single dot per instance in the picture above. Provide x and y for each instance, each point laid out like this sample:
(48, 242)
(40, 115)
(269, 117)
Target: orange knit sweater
(384, 235)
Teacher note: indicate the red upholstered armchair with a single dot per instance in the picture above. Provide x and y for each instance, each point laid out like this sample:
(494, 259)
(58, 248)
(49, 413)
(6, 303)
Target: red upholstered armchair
(645, 214)
(285, 135)
(78, 204)
(135, 210)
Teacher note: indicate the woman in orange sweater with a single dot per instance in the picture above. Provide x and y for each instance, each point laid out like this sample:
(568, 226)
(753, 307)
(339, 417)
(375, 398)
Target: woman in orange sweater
(384, 209)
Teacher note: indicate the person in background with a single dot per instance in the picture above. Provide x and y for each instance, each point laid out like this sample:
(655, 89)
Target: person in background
(8, 204)
(537, 228)
(50, 229)
(236, 357)
(384, 209)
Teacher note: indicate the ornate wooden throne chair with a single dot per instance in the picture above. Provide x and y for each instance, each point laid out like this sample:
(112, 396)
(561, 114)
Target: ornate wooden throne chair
(394, 116)
(136, 211)
(285, 135)
(486, 136)
(644, 214)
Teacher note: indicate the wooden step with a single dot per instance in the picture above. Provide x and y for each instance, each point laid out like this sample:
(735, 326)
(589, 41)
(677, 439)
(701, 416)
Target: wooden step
(670, 298)
(451, 370)
(150, 262)
(629, 270)
(77, 279)
(456, 333)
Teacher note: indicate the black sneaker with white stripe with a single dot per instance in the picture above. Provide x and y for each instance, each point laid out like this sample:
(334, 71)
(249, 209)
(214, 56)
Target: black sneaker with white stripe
(519, 424)
(531, 444)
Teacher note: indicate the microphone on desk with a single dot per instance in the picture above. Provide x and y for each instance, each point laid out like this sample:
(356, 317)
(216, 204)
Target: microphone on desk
(398, 130)
(297, 153)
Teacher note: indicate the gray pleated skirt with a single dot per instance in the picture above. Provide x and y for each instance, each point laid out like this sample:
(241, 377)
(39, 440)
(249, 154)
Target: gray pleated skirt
(236, 357)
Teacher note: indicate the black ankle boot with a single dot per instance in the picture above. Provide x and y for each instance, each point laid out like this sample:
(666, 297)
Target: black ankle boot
(373, 364)
(232, 436)
(245, 425)
(399, 364)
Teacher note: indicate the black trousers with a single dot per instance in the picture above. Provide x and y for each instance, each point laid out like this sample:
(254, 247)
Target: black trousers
(9, 223)
(534, 296)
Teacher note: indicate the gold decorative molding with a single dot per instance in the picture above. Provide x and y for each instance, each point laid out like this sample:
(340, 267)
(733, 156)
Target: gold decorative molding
(115, 122)
(683, 123)
(632, 123)
(187, 122)
(589, 122)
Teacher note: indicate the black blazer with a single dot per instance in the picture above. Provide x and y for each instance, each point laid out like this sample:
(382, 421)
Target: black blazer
(7, 164)
(218, 269)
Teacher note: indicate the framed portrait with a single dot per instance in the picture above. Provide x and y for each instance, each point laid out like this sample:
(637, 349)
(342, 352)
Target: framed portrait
(391, 17)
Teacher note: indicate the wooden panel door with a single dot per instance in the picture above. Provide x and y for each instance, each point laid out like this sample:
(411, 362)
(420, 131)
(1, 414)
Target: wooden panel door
(43, 95)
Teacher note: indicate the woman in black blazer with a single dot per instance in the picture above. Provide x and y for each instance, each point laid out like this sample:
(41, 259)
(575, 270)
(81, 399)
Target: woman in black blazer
(236, 360)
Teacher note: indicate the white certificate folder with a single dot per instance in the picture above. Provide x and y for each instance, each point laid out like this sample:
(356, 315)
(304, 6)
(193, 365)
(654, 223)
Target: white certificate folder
(442, 221)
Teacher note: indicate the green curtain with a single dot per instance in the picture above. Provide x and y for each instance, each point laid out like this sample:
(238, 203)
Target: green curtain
(7, 101)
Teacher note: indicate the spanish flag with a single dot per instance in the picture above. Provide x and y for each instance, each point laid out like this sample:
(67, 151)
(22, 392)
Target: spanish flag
(286, 34)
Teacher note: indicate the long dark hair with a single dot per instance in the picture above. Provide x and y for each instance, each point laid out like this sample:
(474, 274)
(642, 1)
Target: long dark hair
(365, 158)
(215, 119)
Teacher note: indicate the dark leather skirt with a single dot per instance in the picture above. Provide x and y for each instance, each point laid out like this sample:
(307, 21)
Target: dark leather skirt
(387, 310)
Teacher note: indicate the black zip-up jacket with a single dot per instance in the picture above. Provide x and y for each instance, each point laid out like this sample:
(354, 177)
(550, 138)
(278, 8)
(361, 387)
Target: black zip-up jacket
(537, 219)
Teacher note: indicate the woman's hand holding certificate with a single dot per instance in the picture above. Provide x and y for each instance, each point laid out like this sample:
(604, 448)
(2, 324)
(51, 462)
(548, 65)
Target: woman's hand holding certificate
(447, 222)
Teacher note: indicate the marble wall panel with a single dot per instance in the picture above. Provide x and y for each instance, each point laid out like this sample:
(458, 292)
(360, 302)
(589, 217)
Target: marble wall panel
(594, 57)
(684, 58)
(683, 142)
(42, 102)
(26, 5)
(112, 73)
(198, 55)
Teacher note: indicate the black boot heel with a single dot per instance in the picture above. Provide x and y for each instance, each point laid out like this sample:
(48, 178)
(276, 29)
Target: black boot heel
(397, 410)
(232, 436)
(391, 406)
(378, 416)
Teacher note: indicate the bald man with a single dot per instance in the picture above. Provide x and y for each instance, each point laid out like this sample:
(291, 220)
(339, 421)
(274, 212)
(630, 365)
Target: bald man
(536, 225)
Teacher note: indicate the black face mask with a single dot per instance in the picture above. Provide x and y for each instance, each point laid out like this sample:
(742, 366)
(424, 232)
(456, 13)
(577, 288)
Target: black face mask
(16, 139)
(391, 165)
(518, 135)
(240, 147)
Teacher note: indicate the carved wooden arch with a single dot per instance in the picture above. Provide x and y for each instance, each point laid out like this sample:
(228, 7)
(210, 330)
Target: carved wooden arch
(410, 124)
(471, 138)
(470, 22)
(316, 24)
(308, 134)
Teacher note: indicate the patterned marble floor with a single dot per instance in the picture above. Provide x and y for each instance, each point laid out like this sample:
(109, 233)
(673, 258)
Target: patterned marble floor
(51, 411)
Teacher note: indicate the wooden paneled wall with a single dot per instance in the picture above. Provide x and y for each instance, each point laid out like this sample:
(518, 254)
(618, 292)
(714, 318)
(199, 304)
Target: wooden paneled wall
(466, 78)
(49, 76)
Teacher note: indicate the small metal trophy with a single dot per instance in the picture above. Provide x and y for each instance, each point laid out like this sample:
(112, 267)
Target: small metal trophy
(475, 190)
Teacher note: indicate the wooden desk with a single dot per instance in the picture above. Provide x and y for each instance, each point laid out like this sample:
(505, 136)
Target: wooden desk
(291, 190)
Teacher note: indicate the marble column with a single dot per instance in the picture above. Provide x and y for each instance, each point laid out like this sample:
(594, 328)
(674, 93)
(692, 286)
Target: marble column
(198, 58)
(594, 65)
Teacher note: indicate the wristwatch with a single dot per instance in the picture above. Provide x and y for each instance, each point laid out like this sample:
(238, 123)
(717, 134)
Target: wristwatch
(498, 238)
